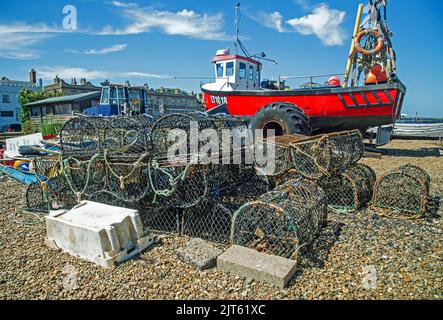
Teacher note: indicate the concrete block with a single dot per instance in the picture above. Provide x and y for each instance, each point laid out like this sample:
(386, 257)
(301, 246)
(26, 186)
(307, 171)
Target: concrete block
(199, 253)
(255, 265)
(103, 234)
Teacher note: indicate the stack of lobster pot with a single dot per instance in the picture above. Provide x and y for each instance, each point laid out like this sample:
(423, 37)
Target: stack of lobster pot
(330, 160)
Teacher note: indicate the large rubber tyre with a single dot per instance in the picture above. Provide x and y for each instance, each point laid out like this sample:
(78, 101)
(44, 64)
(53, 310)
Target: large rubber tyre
(285, 118)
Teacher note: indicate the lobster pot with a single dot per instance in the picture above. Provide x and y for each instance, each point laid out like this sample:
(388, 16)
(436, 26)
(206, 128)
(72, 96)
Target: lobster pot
(179, 187)
(291, 174)
(35, 198)
(161, 218)
(174, 133)
(275, 159)
(403, 192)
(127, 136)
(84, 177)
(82, 137)
(350, 191)
(327, 154)
(236, 184)
(283, 222)
(128, 181)
(208, 220)
(107, 197)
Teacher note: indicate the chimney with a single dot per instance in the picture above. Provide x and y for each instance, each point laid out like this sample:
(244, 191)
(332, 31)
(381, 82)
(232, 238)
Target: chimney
(82, 81)
(56, 80)
(33, 76)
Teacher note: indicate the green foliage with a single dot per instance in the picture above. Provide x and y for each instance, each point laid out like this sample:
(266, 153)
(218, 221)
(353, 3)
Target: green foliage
(27, 127)
(51, 127)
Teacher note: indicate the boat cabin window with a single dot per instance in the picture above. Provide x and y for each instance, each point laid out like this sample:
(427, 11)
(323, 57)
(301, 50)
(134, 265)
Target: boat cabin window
(219, 68)
(113, 96)
(251, 72)
(229, 69)
(242, 70)
(105, 96)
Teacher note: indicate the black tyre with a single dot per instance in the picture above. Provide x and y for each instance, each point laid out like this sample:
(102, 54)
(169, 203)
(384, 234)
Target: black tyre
(284, 118)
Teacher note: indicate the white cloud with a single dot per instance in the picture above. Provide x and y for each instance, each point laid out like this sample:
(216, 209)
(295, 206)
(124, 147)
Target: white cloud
(303, 3)
(114, 48)
(273, 20)
(18, 39)
(323, 22)
(185, 22)
(49, 72)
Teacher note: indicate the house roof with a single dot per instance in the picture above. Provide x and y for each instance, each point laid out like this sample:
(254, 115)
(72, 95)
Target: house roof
(70, 98)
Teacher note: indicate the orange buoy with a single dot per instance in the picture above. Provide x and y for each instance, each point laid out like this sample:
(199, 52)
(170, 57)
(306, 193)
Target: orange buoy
(334, 82)
(17, 163)
(378, 47)
(376, 75)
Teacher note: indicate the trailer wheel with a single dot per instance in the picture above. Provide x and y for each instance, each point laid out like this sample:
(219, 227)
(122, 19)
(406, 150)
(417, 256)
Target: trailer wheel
(284, 118)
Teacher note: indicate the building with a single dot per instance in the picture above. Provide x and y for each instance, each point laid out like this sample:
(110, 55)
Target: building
(60, 109)
(10, 108)
(66, 89)
(164, 100)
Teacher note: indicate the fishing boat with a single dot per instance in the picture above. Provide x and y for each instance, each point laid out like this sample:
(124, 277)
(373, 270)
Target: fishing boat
(373, 98)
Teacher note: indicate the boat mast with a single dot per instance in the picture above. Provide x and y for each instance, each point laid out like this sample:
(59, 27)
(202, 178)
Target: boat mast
(237, 31)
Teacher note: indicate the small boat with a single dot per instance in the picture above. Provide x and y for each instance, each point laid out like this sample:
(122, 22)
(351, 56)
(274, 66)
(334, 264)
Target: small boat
(418, 129)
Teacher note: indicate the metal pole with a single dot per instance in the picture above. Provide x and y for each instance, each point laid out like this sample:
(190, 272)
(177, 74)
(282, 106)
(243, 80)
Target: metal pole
(351, 51)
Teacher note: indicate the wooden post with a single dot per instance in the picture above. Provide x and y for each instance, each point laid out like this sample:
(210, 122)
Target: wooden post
(351, 51)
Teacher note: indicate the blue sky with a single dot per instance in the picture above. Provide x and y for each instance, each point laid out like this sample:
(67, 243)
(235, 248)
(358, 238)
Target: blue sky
(153, 41)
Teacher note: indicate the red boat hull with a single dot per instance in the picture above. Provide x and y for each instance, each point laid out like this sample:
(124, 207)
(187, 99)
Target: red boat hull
(329, 108)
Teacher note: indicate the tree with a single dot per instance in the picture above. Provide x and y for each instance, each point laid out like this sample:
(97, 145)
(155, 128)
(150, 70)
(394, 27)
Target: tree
(27, 96)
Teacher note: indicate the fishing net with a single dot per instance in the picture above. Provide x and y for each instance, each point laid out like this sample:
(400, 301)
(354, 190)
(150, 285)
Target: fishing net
(209, 220)
(161, 218)
(288, 175)
(281, 222)
(403, 192)
(351, 190)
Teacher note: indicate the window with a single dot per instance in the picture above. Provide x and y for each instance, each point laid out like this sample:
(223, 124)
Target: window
(7, 114)
(113, 99)
(219, 68)
(258, 76)
(5, 98)
(242, 70)
(251, 72)
(105, 96)
(230, 69)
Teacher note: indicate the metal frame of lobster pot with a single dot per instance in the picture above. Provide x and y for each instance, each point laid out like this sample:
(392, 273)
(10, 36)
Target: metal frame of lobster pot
(103, 234)
(350, 191)
(403, 192)
(283, 222)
